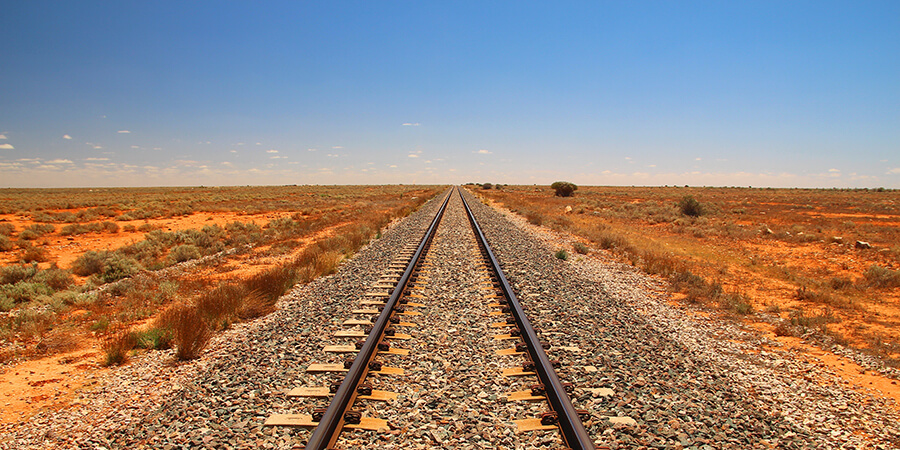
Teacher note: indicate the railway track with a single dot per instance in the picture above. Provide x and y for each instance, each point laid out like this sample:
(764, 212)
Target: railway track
(387, 323)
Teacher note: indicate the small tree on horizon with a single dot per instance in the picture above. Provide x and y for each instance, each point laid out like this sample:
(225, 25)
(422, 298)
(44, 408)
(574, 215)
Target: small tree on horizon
(564, 188)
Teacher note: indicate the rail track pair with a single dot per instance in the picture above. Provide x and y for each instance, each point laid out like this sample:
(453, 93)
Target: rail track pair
(330, 421)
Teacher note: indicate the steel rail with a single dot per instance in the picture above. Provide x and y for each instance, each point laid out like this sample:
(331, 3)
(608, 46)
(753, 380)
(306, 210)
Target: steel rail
(573, 432)
(332, 421)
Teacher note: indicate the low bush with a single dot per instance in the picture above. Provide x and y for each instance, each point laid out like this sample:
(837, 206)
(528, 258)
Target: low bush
(562, 254)
(7, 229)
(881, 277)
(689, 206)
(6, 244)
(17, 272)
(89, 263)
(34, 254)
(563, 188)
(58, 279)
(184, 252)
(581, 248)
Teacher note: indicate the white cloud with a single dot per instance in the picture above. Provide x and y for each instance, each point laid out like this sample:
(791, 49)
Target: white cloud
(123, 132)
(7, 147)
(652, 165)
(393, 166)
(2, 136)
(259, 143)
(96, 159)
(337, 147)
(894, 171)
(135, 146)
(408, 124)
(628, 158)
(157, 148)
(97, 147)
(698, 159)
(239, 143)
(233, 151)
(59, 161)
(413, 155)
(310, 149)
(272, 151)
(66, 136)
(278, 157)
(834, 170)
(483, 152)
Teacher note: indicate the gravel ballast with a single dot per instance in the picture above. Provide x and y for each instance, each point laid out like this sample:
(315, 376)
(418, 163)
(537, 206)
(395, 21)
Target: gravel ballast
(651, 376)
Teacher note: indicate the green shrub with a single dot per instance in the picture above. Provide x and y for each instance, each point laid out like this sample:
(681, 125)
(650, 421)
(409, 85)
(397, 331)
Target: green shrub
(89, 263)
(6, 244)
(689, 206)
(581, 248)
(129, 228)
(7, 229)
(118, 266)
(28, 235)
(16, 273)
(6, 303)
(184, 252)
(564, 188)
(40, 229)
(562, 254)
(109, 227)
(58, 279)
(155, 338)
(486, 186)
(34, 254)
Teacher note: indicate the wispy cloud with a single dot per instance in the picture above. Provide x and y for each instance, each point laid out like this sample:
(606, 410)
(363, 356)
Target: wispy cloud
(97, 147)
(7, 147)
(698, 159)
(409, 124)
(311, 150)
(413, 155)
(60, 161)
(135, 146)
(894, 171)
(66, 136)
(337, 147)
(123, 132)
(96, 159)
(272, 151)
(278, 157)
(483, 152)
(393, 166)
(2, 136)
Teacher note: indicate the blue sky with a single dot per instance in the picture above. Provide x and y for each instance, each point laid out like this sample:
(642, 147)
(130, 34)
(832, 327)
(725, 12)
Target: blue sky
(716, 93)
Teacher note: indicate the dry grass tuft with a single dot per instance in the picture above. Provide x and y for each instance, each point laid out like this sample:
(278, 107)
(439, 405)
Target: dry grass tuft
(116, 348)
(190, 331)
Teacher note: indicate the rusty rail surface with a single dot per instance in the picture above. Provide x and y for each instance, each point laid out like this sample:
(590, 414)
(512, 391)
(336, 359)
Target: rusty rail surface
(570, 425)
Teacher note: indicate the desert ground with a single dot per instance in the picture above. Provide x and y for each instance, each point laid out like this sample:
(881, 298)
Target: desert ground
(783, 262)
(813, 268)
(85, 269)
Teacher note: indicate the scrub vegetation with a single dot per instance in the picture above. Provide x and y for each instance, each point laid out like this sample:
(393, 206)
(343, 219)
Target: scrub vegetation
(222, 272)
(815, 259)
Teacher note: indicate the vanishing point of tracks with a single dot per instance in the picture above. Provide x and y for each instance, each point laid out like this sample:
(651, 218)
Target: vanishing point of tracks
(386, 321)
